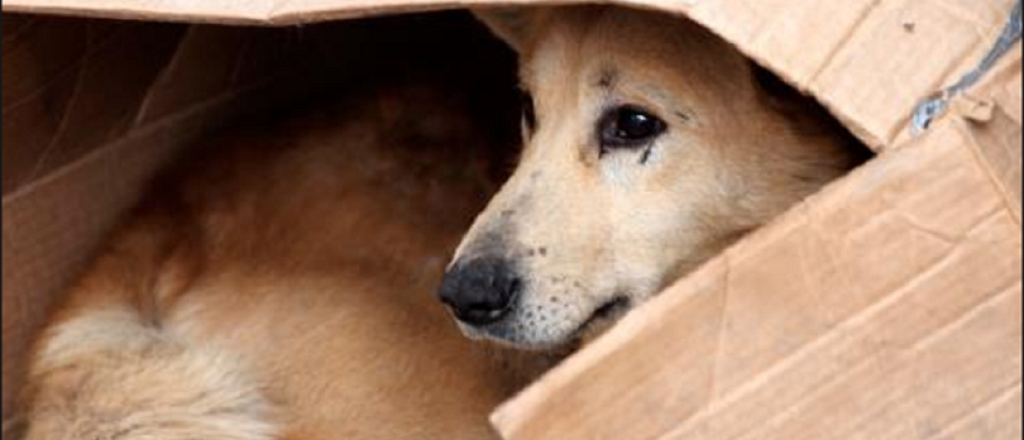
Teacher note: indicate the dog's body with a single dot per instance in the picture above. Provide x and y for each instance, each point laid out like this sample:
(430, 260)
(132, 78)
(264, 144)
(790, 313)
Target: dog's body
(652, 145)
(283, 293)
(275, 299)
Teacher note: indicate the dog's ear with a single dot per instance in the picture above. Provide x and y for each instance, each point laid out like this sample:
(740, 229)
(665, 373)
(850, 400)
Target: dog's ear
(513, 25)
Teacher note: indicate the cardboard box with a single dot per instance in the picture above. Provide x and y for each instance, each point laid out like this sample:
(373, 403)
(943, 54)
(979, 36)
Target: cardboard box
(886, 307)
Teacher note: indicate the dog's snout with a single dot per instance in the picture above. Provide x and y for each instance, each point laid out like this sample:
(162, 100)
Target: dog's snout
(481, 292)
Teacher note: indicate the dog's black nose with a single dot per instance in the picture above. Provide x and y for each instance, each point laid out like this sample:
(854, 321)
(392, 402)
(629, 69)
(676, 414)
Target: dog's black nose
(480, 292)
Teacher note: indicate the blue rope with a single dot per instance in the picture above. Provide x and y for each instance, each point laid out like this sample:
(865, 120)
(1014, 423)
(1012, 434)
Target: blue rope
(933, 108)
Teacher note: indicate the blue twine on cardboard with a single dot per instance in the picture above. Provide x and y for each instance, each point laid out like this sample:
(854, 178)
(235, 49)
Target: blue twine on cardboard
(932, 108)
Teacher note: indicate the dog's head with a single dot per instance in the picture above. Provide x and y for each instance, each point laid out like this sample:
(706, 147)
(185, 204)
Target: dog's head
(649, 146)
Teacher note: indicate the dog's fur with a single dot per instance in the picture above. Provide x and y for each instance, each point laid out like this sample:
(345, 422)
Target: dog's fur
(282, 292)
(273, 296)
(592, 231)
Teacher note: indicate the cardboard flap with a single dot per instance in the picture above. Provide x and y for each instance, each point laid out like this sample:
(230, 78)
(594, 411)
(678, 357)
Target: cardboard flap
(226, 11)
(246, 12)
(870, 62)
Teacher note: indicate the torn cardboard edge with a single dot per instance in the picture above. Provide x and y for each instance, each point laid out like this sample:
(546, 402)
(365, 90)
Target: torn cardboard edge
(840, 66)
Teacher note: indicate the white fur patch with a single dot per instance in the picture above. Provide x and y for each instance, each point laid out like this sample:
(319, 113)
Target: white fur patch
(105, 376)
(96, 330)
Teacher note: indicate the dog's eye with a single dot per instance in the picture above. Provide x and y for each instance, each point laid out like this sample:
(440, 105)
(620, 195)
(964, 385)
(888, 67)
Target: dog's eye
(629, 127)
(529, 113)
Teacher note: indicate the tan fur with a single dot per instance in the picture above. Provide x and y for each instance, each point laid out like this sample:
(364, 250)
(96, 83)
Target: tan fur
(585, 229)
(283, 292)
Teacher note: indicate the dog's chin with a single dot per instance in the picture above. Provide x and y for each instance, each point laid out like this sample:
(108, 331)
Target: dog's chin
(515, 340)
(509, 336)
(602, 320)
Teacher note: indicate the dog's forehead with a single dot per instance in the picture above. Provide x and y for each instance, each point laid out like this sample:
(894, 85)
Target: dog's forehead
(600, 47)
(555, 53)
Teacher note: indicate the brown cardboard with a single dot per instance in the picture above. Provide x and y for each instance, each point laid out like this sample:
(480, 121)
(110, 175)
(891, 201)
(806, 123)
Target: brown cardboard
(887, 307)
(60, 100)
(870, 62)
(994, 115)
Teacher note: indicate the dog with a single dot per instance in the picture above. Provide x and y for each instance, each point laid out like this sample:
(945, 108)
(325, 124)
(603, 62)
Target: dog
(650, 146)
(281, 289)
